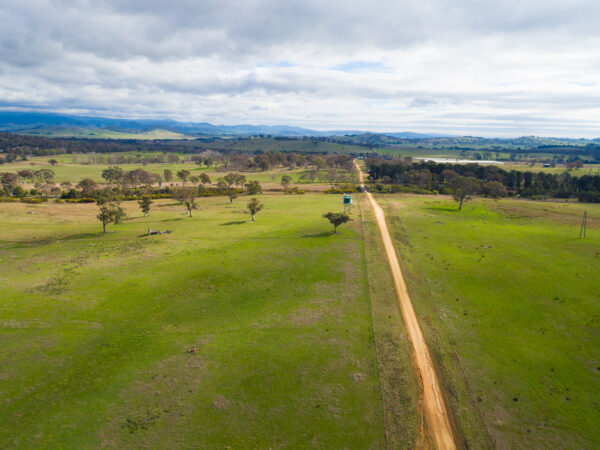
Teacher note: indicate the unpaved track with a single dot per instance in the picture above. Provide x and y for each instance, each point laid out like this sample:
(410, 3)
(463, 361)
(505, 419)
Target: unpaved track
(436, 414)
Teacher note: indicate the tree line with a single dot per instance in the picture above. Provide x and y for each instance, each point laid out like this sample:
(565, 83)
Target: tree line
(493, 181)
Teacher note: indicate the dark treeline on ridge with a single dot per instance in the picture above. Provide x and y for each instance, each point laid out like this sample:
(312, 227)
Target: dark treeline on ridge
(13, 146)
(493, 181)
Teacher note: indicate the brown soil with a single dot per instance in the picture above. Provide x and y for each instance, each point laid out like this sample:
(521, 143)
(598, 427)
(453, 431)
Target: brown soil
(434, 406)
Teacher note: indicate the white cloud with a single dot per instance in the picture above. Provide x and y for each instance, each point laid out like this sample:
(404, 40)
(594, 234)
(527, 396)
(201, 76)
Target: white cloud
(489, 68)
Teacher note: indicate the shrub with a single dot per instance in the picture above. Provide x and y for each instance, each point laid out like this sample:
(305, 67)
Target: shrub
(33, 200)
(81, 200)
(340, 191)
(294, 190)
(7, 199)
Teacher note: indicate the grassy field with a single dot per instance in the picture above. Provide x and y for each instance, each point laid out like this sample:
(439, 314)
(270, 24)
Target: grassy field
(72, 172)
(95, 329)
(507, 296)
(103, 133)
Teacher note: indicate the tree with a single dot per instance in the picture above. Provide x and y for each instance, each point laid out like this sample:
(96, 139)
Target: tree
(463, 188)
(87, 186)
(9, 180)
(313, 174)
(254, 188)
(25, 174)
(195, 180)
(183, 175)
(168, 175)
(262, 161)
(44, 175)
(204, 178)
(254, 206)
(230, 179)
(221, 183)
(319, 162)
(109, 213)
(240, 179)
(331, 175)
(232, 194)
(285, 181)
(53, 162)
(112, 174)
(145, 203)
(137, 177)
(172, 158)
(494, 189)
(177, 193)
(336, 219)
(187, 196)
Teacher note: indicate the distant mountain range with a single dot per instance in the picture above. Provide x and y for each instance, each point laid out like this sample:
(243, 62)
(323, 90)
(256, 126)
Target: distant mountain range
(49, 124)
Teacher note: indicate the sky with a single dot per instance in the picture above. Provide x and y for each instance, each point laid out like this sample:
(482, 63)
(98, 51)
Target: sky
(471, 67)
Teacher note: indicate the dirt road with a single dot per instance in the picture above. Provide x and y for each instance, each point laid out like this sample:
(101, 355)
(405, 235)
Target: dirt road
(436, 414)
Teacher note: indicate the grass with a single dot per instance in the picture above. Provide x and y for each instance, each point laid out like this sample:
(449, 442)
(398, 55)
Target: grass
(96, 329)
(507, 296)
(72, 172)
(103, 133)
(399, 388)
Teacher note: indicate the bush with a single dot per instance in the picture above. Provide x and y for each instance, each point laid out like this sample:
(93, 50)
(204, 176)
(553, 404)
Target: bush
(59, 200)
(7, 199)
(81, 200)
(340, 191)
(215, 192)
(19, 191)
(33, 200)
(294, 190)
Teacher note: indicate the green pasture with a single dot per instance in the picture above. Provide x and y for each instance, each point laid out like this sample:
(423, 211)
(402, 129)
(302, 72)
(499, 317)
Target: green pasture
(65, 170)
(224, 333)
(104, 133)
(507, 296)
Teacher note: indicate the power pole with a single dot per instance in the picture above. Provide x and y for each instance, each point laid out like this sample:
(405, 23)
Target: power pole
(583, 225)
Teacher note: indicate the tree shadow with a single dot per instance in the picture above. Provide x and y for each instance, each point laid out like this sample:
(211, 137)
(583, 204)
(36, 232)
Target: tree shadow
(174, 219)
(236, 222)
(74, 237)
(453, 208)
(318, 235)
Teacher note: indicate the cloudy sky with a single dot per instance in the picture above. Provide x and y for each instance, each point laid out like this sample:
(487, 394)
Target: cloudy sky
(480, 67)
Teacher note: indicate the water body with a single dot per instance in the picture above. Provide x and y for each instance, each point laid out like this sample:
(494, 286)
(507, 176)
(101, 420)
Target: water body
(459, 161)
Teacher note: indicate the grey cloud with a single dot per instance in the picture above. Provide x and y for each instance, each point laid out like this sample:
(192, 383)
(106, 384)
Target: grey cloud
(387, 62)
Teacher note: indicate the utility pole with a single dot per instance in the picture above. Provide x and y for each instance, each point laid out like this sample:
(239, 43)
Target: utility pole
(583, 225)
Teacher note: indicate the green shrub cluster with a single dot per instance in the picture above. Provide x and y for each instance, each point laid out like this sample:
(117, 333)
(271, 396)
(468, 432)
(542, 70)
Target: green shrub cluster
(33, 200)
(341, 191)
(81, 200)
(294, 190)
